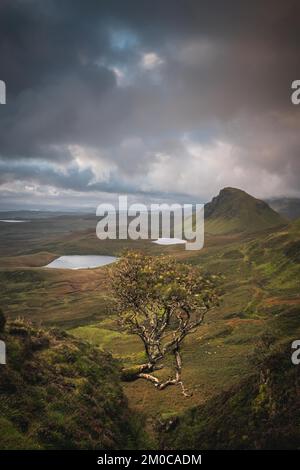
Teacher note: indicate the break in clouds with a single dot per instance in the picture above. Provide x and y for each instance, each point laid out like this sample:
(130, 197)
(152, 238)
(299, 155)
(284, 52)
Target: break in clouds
(155, 99)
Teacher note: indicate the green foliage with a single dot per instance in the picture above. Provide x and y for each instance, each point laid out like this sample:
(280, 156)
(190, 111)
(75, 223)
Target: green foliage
(147, 287)
(161, 301)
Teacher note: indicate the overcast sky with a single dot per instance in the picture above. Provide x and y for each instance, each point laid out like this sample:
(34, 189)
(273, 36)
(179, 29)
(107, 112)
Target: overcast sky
(160, 100)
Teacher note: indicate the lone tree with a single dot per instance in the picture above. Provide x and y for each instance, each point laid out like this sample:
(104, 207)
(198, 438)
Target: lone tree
(161, 301)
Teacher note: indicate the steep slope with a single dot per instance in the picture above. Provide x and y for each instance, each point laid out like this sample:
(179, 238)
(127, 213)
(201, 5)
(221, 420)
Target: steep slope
(262, 412)
(275, 257)
(60, 393)
(235, 211)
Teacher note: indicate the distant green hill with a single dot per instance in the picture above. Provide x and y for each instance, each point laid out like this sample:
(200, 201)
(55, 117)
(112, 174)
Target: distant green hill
(235, 211)
(58, 392)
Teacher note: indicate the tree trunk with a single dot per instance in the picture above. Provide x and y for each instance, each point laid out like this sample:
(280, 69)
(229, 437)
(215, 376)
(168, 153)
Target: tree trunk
(129, 374)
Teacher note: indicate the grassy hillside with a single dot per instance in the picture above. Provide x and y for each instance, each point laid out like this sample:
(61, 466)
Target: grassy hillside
(234, 210)
(54, 297)
(261, 282)
(260, 292)
(276, 260)
(35, 234)
(261, 412)
(60, 393)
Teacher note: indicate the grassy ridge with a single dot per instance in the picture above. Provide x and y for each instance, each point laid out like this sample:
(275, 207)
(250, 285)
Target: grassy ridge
(261, 412)
(60, 393)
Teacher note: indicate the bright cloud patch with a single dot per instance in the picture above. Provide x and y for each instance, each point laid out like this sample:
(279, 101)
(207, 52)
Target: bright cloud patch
(151, 60)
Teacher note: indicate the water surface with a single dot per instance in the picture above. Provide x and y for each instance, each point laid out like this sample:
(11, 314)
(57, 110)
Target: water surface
(12, 221)
(80, 261)
(169, 241)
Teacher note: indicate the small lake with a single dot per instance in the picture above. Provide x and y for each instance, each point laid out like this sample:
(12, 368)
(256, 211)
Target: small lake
(80, 262)
(12, 221)
(169, 241)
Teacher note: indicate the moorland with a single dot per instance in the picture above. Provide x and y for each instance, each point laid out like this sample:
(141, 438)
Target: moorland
(63, 338)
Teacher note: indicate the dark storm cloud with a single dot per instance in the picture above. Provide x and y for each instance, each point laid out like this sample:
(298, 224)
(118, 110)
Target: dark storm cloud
(137, 86)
